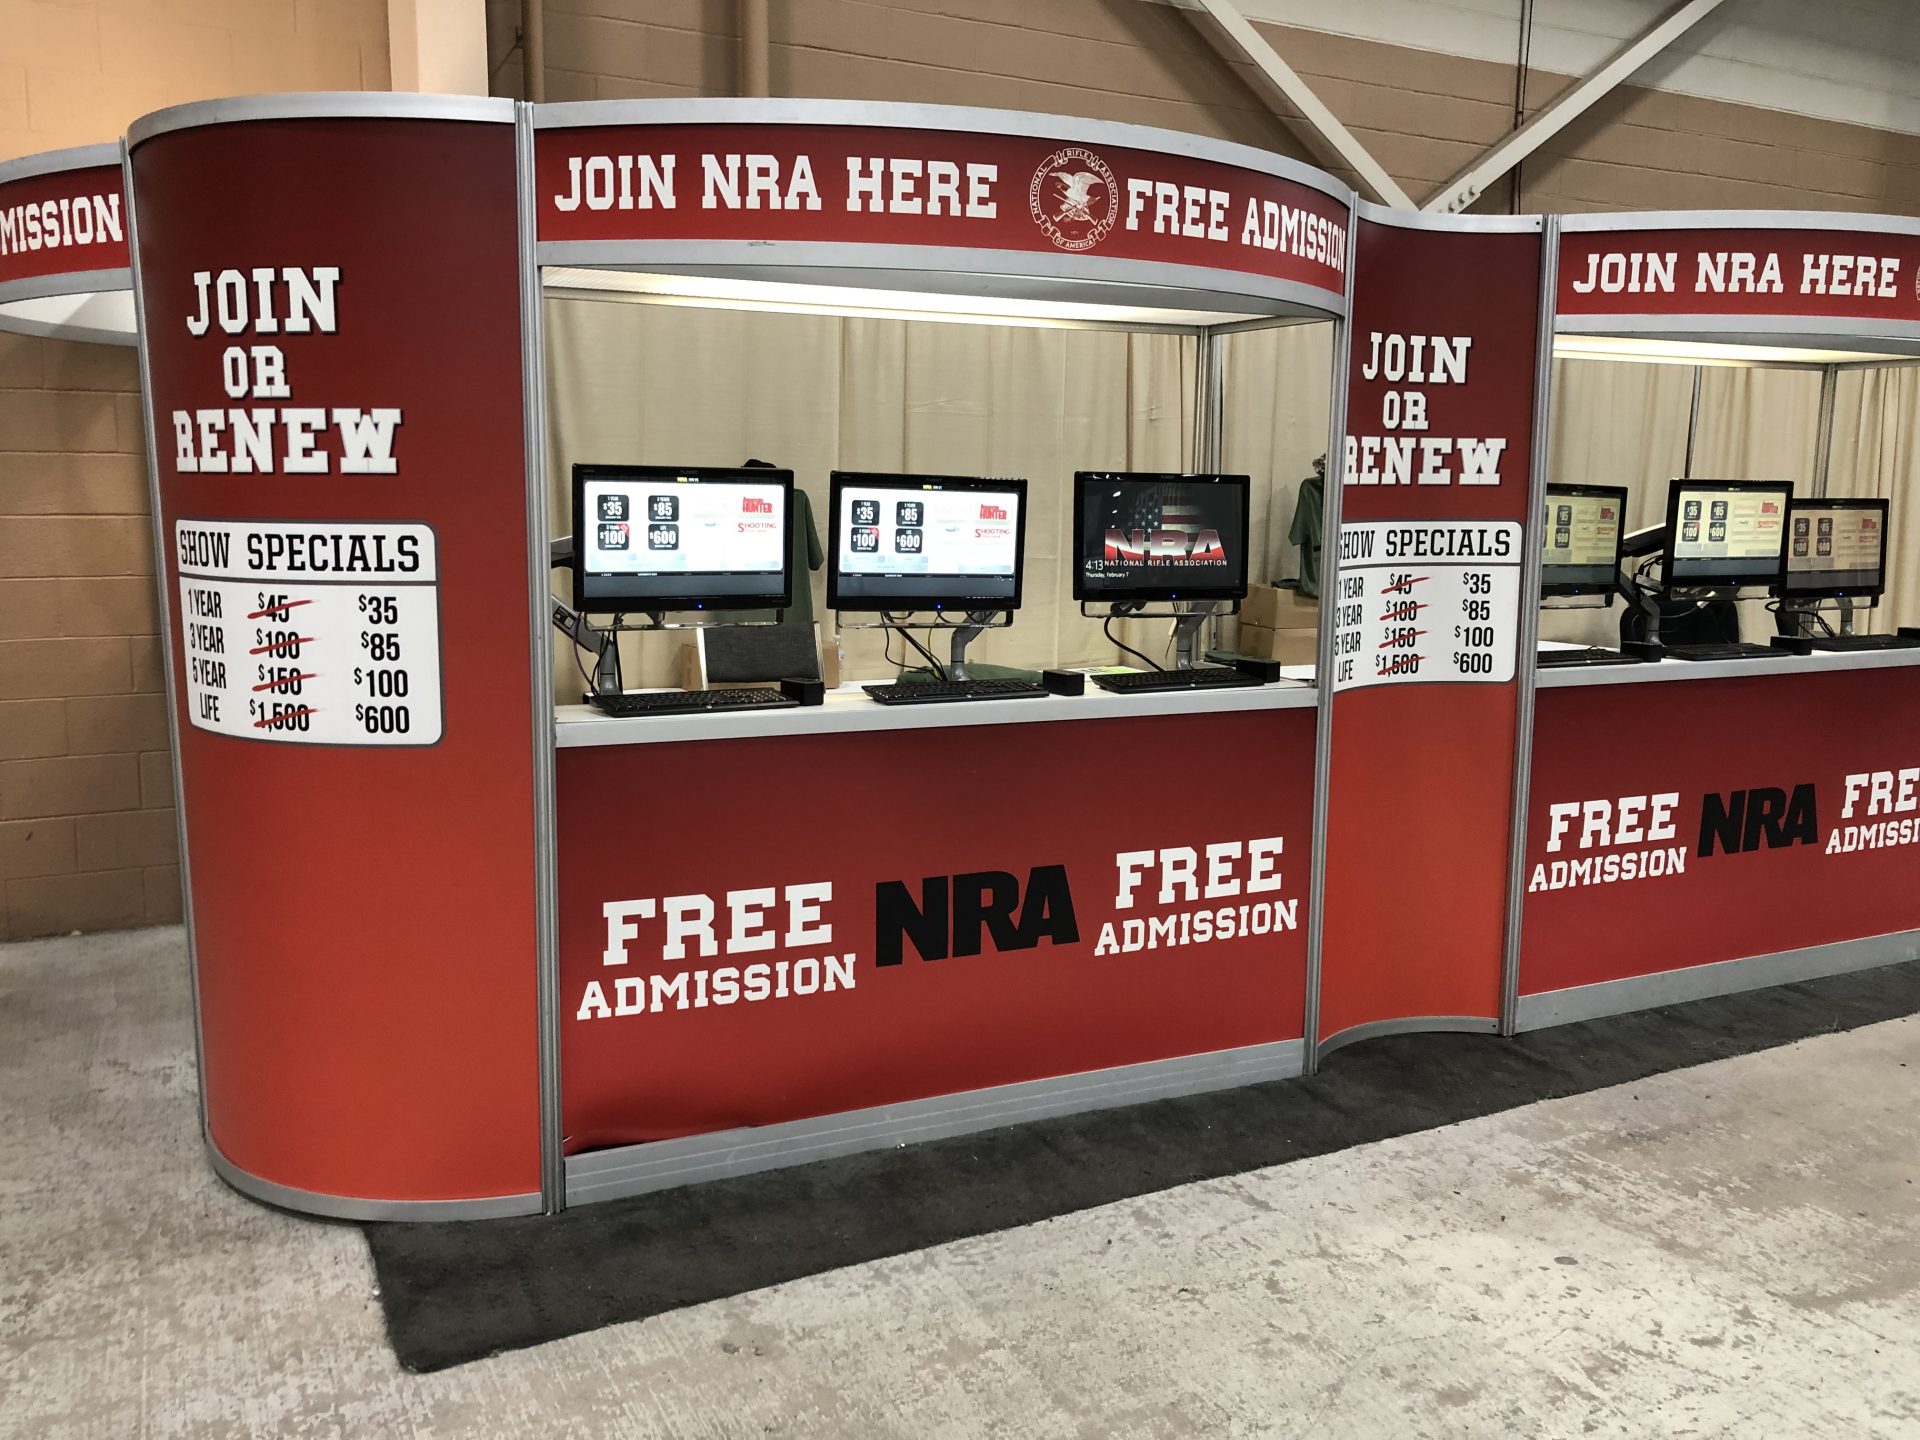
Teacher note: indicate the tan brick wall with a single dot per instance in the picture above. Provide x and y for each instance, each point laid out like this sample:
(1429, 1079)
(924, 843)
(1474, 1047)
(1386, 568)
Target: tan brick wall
(87, 838)
(76, 73)
(1423, 116)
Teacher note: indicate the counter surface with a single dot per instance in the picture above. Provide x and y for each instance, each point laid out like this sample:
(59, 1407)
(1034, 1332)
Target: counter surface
(847, 710)
(1823, 661)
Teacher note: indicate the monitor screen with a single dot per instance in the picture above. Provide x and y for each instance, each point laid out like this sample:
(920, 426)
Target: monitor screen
(679, 537)
(1159, 537)
(1836, 547)
(1580, 545)
(925, 542)
(1722, 534)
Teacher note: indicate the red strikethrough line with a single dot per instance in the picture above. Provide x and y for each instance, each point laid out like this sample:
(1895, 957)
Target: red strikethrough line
(278, 609)
(281, 644)
(284, 716)
(289, 680)
(1397, 639)
(1405, 587)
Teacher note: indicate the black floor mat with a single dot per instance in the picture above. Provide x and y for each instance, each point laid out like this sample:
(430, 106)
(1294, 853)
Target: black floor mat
(459, 1291)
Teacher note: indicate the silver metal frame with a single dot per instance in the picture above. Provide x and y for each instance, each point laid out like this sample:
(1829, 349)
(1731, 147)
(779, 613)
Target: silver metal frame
(955, 270)
(319, 105)
(1529, 637)
(165, 593)
(1330, 507)
(1724, 977)
(664, 1164)
(533, 379)
(893, 115)
(1407, 1025)
(1739, 220)
(343, 1207)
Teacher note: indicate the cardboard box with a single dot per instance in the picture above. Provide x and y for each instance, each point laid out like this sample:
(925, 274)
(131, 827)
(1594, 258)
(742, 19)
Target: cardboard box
(1289, 647)
(1278, 608)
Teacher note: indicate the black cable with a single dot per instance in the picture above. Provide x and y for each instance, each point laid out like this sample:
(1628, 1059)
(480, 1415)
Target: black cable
(1106, 628)
(939, 670)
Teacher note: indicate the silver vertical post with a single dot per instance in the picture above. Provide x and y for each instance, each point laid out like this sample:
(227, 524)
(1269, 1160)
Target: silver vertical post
(1693, 423)
(1323, 652)
(1823, 440)
(160, 553)
(533, 379)
(1525, 667)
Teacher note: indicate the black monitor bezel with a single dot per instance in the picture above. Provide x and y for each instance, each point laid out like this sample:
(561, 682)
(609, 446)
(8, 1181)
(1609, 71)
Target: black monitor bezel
(1753, 580)
(700, 474)
(1786, 591)
(837, 482)
(1549, 589)
(1084, 480)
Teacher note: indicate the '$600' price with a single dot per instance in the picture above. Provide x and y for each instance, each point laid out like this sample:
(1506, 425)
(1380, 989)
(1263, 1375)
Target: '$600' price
(384, 719)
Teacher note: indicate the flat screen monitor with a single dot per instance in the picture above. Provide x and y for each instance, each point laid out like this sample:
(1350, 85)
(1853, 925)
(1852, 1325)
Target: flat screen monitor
(925, 542)
(681, 537)
(1143, 536)
(1724, 534)
(1835, 549)
(1580, 546)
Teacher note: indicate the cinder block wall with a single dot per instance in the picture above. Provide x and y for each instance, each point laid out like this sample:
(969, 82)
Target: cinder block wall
(87, 838)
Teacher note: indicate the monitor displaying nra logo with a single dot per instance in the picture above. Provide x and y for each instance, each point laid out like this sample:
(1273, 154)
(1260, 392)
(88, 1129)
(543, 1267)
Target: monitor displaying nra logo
(993, 512)
(1074, 198)
(756, 505)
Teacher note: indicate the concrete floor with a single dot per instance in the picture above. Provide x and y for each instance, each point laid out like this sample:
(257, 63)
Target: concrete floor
(1729, 1250)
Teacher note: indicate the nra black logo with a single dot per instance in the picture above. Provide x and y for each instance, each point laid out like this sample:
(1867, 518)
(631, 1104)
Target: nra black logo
(1770, 818)
(953, 915)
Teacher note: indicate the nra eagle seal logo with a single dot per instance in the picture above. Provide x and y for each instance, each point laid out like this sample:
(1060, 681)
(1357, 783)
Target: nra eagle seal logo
(1074, 198)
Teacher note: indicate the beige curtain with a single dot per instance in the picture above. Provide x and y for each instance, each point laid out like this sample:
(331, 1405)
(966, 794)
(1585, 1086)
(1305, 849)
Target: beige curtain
(1615, 423)
(1876, 452)
(650, 383)
(1625, 423)
(1276, 408)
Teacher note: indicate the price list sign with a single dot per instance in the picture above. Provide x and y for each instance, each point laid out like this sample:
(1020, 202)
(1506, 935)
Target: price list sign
(315, 633)
(1426, 601)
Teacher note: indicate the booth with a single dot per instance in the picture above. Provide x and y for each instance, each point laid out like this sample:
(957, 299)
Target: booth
(464, 946)
(1698, 828)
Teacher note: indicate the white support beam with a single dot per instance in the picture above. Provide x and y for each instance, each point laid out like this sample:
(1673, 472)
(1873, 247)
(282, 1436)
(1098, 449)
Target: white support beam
(1471, 183)
(1330, 141)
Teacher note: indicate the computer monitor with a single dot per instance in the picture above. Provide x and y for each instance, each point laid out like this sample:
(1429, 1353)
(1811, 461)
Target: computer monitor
(1836, 549)
(925, 542)
(1725, 534)
(681, 537)
(1580, 546)
(1148, 536)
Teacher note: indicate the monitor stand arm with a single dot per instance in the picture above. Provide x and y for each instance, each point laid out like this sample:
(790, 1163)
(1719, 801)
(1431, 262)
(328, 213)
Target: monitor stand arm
(1186, 633)
(602, 642)
(1650, 602)
(963, 636)
(1846, 615)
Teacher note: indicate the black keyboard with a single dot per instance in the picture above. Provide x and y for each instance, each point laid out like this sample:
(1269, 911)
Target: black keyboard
(936, 691)
(1593, 655)
(1865, 642)
(1148, 682)
(691, 702)
(1741, 650)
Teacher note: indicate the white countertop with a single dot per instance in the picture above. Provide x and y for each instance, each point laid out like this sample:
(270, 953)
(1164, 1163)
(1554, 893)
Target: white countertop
(1571, 676)
(847, 710)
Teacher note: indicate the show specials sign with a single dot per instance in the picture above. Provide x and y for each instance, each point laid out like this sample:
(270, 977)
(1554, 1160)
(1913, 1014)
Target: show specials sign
(1789, 271)
(61, 221)
(316, 633)
(874, 936)
(332, 328)
(1434, 516)
(1689, 846)
(869, 185)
